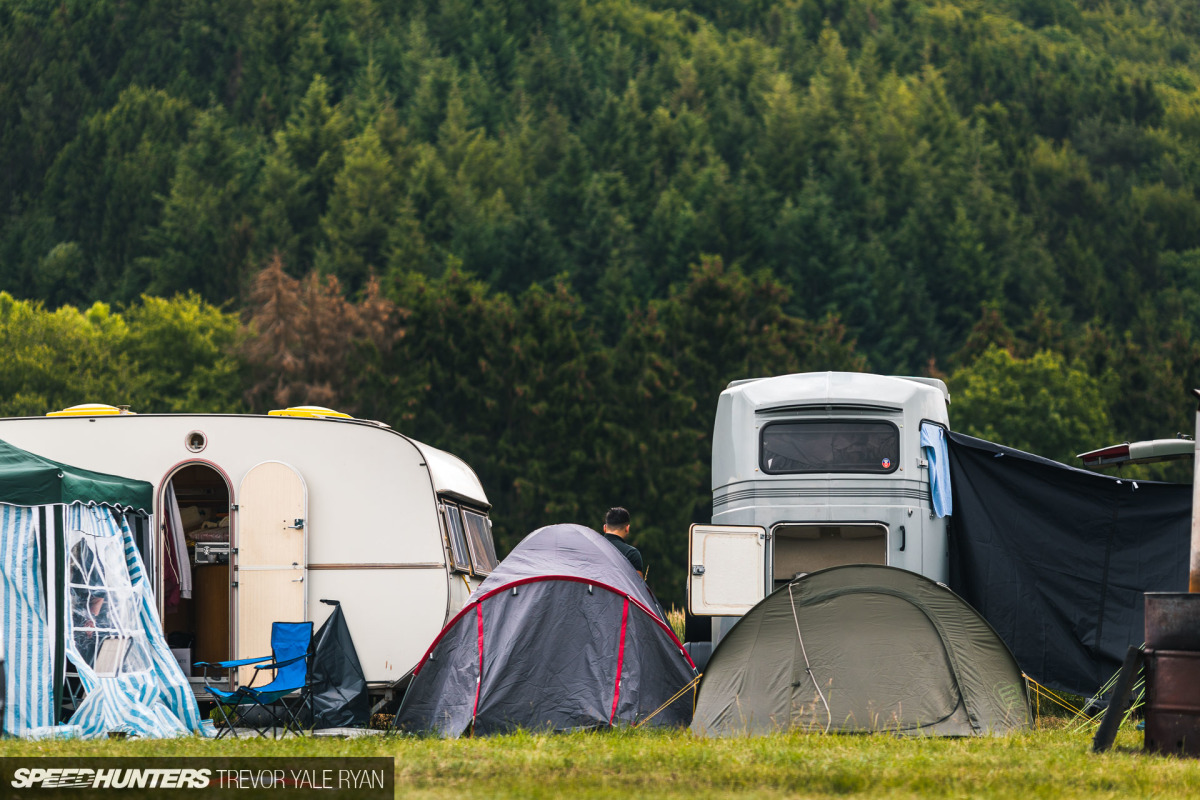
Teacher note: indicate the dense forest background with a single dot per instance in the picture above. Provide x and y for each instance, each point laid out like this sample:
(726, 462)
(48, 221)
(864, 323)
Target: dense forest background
(545, 234)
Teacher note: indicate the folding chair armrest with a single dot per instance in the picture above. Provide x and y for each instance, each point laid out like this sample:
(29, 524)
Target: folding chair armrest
(227, 665)
(284, 663)
(230, 664)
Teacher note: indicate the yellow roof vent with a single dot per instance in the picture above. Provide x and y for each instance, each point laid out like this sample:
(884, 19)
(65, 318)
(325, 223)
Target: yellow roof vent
(91, 410)
(316, 412)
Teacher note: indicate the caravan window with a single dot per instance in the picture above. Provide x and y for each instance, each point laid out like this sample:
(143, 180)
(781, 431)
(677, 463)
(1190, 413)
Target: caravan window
(830, 446)
(479, 539)
(458, 539)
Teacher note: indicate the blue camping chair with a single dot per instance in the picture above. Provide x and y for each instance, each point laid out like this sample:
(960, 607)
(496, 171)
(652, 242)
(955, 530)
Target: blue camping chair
(289, 660)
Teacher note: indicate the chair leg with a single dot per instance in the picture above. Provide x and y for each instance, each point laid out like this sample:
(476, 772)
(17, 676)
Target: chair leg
(229, 723)
(291, 715)
(278, 722)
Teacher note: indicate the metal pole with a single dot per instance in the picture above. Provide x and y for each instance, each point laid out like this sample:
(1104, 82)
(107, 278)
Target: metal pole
(1194, 571)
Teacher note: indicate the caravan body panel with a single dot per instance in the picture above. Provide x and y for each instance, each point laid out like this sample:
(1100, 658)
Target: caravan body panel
(372, 534)
(827, 500)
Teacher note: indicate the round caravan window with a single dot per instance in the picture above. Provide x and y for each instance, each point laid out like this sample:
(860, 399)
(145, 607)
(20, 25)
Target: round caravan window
(196, 441)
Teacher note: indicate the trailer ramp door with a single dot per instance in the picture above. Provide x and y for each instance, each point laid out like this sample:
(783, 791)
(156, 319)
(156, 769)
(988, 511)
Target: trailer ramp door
(727, 569)
(271, 558)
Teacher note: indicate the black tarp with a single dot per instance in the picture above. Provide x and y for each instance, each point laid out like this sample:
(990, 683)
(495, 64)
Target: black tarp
(1057, 558)
(339, 688)
(563, 635)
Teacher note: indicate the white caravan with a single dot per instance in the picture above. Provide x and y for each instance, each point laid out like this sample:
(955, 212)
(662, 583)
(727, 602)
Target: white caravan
(812, 471)
(269, 515)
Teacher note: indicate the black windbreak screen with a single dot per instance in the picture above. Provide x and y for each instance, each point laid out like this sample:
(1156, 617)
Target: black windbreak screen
(1057, 558)
(339, 687)
(829, 446)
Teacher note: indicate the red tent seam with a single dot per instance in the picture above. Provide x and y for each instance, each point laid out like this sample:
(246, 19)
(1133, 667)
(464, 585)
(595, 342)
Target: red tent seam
(479, 681)
(620, 661)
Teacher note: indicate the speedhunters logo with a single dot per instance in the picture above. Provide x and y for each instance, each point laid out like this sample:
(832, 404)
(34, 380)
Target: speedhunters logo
(80, 778)
(284, 778)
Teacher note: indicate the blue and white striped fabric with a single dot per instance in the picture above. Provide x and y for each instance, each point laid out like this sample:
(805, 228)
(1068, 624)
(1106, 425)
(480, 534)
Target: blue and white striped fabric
(28, 641)
(146, 694)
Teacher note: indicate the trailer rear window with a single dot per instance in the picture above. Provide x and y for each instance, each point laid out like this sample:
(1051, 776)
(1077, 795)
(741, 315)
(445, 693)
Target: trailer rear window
(829, 446)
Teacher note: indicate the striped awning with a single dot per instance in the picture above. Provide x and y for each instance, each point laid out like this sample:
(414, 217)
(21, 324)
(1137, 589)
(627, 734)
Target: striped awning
(28, 638)
(73, 587)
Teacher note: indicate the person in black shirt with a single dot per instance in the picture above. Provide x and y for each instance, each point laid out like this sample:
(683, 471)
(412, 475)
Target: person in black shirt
(616, 530)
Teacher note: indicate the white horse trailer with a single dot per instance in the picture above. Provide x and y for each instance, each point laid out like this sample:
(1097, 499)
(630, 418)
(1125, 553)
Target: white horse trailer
(269, 515)
(812, 471)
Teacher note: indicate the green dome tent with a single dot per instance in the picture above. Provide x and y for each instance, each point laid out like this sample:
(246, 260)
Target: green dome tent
(862, 648)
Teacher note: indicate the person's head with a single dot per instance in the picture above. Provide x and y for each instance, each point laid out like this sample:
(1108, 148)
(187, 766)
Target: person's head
(616, 521)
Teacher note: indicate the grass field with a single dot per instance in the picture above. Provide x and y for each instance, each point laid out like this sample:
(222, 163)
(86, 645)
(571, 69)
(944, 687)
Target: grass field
(1051, 762)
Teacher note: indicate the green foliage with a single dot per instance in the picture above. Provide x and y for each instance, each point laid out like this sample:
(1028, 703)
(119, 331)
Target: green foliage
(160, 355)
(896, 164)
(183, 356)
(516, 386)
(1041, 404)
(60, 358)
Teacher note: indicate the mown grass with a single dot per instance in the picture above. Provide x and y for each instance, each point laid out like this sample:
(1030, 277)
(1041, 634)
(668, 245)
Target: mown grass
(1051, 762)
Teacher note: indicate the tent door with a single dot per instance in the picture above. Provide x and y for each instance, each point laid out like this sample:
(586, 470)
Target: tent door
(271, 558)
(727, 569)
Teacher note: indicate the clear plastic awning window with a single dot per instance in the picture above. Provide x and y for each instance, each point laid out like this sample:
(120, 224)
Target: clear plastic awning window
(132, 682)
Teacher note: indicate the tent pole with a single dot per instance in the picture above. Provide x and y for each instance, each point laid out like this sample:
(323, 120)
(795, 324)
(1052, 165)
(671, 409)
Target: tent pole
(58, 585)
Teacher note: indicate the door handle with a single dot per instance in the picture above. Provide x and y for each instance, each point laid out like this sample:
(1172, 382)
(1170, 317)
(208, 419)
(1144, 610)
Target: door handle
(298, 526)
(903, 538)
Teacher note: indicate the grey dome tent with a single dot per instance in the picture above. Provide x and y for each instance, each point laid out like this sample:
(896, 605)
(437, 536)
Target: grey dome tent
(862, 648)
(563, 635)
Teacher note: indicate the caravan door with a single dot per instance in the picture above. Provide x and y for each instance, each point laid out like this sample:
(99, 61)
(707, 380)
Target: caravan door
(727, 569)
(271, 558)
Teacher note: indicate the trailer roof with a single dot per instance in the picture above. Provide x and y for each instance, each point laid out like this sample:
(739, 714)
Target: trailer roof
(835, 388)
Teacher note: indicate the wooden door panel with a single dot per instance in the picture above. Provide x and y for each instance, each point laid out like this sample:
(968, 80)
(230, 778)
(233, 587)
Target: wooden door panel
(265, 596)
(271, 533)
